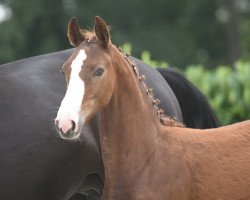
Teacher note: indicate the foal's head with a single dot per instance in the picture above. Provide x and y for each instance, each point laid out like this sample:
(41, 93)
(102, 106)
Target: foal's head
(89, 75)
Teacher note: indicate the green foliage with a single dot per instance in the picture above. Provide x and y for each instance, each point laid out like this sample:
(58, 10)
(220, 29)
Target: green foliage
(181, 32)
(35, 27)
(127, 48)
(227, 89)
(145, 57)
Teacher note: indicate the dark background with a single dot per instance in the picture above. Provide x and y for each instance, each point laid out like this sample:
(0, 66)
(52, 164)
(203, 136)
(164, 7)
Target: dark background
(181, 32)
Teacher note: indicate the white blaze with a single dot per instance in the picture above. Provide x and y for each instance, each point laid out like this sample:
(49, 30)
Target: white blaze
(71, 104)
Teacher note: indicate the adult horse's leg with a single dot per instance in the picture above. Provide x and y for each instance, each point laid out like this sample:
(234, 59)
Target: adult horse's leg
(196, 111)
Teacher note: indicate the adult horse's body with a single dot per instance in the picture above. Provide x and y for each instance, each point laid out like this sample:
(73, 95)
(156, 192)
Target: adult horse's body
(34, 163)
(146, 155)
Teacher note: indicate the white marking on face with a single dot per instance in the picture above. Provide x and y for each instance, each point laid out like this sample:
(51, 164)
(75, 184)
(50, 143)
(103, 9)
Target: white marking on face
(71, 104)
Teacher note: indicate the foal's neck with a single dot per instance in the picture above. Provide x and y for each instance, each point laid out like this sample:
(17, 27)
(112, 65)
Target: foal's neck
(130, 111)
(128, 129)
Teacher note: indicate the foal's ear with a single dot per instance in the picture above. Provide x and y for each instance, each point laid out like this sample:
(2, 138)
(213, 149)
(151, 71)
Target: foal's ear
(102, 32)
(75, 34)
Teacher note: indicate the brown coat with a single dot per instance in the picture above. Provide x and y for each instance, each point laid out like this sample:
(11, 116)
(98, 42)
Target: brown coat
(144, 158)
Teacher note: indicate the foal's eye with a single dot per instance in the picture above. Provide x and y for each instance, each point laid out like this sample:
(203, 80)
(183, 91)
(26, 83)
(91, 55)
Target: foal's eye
(99, 71)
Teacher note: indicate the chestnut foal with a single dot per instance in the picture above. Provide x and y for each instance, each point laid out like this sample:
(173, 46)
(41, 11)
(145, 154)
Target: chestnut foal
(147, 155)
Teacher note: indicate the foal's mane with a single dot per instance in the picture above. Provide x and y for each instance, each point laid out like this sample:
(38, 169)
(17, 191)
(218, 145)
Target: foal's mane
(164, 119)
(90, 38)
(90, 34)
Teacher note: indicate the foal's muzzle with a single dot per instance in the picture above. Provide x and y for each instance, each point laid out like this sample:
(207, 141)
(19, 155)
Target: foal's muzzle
(69, 131)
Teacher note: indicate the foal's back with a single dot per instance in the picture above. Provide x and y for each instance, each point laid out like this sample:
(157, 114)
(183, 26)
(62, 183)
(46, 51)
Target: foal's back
(218, 160)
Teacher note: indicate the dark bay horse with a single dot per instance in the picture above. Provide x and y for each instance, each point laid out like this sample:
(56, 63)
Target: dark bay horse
(34, 163)
(37, 165)
(146, 154)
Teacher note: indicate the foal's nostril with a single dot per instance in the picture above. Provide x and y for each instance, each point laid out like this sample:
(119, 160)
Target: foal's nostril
(73, 125)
